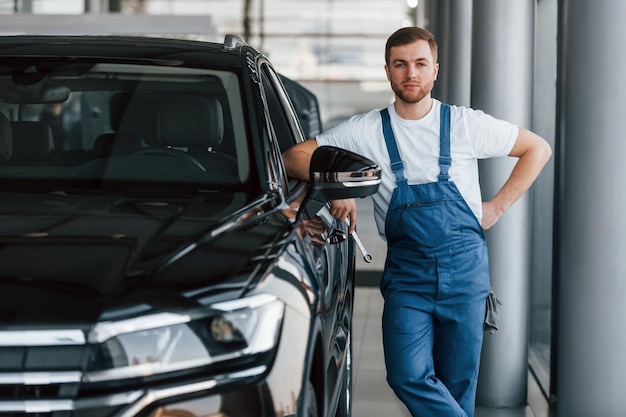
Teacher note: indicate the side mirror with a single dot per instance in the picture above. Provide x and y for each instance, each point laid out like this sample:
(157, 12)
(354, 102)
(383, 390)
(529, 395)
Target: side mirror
(336, 174)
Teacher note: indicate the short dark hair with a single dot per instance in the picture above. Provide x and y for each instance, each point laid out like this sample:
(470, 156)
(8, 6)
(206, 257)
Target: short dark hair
(407, 35)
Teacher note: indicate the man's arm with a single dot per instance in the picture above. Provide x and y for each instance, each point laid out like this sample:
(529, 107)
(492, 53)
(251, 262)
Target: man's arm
(533, 153)
(297, 160)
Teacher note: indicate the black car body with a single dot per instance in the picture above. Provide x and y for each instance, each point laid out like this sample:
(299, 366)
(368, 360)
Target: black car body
(155, 259)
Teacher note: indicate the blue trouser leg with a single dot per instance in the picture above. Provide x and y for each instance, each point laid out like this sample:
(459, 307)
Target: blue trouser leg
(409, 361)
(432, 331)
(459, 331)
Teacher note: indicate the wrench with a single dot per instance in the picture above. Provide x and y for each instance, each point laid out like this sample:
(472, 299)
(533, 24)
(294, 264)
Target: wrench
(338, 236)
(366, 255)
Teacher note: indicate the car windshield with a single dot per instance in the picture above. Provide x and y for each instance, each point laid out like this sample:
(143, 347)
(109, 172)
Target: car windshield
(157, 124)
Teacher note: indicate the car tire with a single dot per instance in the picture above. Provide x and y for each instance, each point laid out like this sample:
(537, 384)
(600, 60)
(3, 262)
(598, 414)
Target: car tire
(344, 407)
(311, 400)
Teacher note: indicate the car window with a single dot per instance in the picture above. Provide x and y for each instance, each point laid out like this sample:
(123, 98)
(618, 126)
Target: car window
(306, 105)
(283, 118)
(150, 124)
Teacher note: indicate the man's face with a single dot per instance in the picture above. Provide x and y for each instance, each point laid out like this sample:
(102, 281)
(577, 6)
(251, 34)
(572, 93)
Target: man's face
(411, 71)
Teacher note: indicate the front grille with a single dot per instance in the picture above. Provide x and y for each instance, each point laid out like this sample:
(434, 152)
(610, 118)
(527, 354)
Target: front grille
(41, 358)
(37, 385)
(40, 372)
(29, 392)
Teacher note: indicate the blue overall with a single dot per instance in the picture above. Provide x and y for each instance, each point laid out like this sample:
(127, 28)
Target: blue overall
(435, 286)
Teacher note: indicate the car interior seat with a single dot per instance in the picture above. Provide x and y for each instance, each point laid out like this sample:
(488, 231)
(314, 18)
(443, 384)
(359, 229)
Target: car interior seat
(6, 139)
(195, 125)
(117, 142)
(111, 144)
(32, 141)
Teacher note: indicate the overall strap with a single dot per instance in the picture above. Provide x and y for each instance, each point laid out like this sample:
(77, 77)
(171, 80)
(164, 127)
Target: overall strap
(445, 160)
(396, 163)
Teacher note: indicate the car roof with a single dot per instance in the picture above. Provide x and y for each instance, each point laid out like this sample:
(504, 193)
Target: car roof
(126, 47)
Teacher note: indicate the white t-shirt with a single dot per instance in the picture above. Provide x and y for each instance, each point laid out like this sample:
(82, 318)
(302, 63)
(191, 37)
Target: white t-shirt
(474, 135)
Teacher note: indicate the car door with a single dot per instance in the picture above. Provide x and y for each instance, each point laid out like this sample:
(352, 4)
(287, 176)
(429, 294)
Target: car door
(330, 257)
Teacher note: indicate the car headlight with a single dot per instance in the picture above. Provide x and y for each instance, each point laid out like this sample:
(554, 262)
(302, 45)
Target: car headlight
(167, 342)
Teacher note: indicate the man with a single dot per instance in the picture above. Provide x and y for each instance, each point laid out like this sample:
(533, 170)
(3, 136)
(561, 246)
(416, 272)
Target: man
(430, 211)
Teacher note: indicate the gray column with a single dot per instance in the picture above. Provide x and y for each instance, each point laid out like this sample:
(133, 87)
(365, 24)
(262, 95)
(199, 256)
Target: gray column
(453, 30)
(502, 67)
(431, 7)
(441, 29)
(459, 57)
(26, 6)
(421, 14)
(95, 6)
(592, 190)
(542, 195)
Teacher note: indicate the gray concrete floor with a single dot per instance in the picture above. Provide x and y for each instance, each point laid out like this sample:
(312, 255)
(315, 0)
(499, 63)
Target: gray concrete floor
(371, 394)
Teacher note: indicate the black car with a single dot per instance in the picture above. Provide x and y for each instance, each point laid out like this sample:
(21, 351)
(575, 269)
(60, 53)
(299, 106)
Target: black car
(155, 260)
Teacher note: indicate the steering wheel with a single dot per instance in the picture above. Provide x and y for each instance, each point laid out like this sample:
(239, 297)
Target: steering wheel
(171, 153)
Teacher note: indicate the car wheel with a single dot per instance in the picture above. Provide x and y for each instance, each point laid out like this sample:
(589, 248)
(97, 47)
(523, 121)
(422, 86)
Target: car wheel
(344, 408)
(311, 400)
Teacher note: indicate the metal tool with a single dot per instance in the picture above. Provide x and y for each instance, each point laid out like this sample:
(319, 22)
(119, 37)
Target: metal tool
(367, 257)
(338, 236)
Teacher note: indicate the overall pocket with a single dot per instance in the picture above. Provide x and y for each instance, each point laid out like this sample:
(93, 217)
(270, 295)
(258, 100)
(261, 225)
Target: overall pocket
(430, 224)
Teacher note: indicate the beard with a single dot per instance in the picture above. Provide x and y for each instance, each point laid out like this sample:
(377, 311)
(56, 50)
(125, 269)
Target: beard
(415, 96)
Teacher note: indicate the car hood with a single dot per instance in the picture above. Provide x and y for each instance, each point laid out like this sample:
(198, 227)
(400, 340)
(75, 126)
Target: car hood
(70, 258)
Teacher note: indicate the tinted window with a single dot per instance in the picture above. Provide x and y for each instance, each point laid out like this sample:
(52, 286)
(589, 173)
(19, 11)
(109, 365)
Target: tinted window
(281, 113)
(124, 123)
